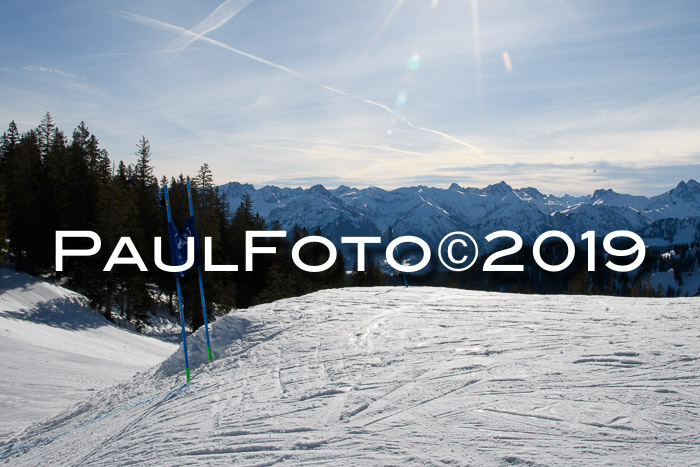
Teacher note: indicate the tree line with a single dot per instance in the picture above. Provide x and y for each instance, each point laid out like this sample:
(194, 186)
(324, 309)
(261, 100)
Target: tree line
(50, 182)
(680, 263)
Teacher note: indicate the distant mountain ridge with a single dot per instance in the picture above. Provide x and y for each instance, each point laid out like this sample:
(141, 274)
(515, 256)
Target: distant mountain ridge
(431, 212)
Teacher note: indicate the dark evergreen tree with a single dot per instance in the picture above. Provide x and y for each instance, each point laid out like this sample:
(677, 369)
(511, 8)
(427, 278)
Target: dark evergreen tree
(147, 194)
(4, 218)
(8, 144)
(45, 133)
(24, 181)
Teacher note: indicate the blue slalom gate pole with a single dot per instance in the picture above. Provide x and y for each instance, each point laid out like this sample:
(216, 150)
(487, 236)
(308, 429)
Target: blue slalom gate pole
(179, 294)
(405, 281)
(396, 250)
(201, 282)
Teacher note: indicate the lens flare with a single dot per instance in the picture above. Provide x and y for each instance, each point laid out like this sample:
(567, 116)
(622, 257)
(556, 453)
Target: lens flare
(401, 99)
(413, 62)
(506, 61)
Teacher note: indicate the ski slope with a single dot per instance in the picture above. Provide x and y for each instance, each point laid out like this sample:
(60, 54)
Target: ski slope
(55, 351)
(417, 376)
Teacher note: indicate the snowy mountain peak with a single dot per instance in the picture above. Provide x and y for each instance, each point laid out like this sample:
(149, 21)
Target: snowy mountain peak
(531, 192)
(246, 187)
(498, 188)
(691, 187)
(612, 198)
(600, 193)
(319, 189)
(455, 187)
(342, 189)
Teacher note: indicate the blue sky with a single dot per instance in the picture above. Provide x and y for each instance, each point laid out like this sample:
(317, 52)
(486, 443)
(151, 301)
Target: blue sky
(567, 96)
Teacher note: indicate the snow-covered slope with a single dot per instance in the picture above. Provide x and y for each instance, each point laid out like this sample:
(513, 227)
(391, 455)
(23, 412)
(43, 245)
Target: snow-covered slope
(670, 231)
(319, 203)
(682, 201)
(56, 351)
(432, 213)
(418, 376)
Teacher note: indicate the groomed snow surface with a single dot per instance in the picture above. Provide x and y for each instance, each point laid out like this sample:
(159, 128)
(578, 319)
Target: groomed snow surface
(55, 351)
(417, 376)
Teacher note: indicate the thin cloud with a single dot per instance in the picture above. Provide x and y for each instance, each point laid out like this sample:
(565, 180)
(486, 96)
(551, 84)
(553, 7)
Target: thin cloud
(476, 37)
(54, 71)
(373, 146)
(384, 148)
(312, 151)
(337, 91)
(217, 18)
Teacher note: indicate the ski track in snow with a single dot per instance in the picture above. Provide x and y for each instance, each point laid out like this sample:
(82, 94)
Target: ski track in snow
(418, 376)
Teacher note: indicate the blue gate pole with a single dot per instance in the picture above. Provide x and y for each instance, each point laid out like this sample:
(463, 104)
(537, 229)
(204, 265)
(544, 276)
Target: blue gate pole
(201, 282)
(179, 294)
(396, 250)
(405, 281)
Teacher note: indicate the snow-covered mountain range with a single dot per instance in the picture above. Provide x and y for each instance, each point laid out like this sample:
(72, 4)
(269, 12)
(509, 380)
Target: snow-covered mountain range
(432, 213)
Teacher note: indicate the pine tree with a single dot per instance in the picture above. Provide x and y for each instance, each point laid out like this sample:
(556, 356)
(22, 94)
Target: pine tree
(4, 218)
(8, 144)
(376, 277)
(204, 179)
(579, 283)
(338, 275)
(143, 170)
(24, 178)
(45, 133)
(147, 193)
(372, 276)
(247, 283)
(277, 286)
(211, 214)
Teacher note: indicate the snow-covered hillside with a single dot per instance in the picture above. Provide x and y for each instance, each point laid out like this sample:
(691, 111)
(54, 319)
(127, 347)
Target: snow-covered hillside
(670, 231)
(418, 376)
(432, 213)
(55, 351)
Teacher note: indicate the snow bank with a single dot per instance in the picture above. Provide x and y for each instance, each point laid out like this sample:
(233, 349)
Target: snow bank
(224, 333)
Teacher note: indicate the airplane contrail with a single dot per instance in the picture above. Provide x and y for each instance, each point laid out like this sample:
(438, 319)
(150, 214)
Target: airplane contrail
(337, 91)
(178, 29)
(381, 106)
(217, 18)
(198, 36)
(473, 148)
